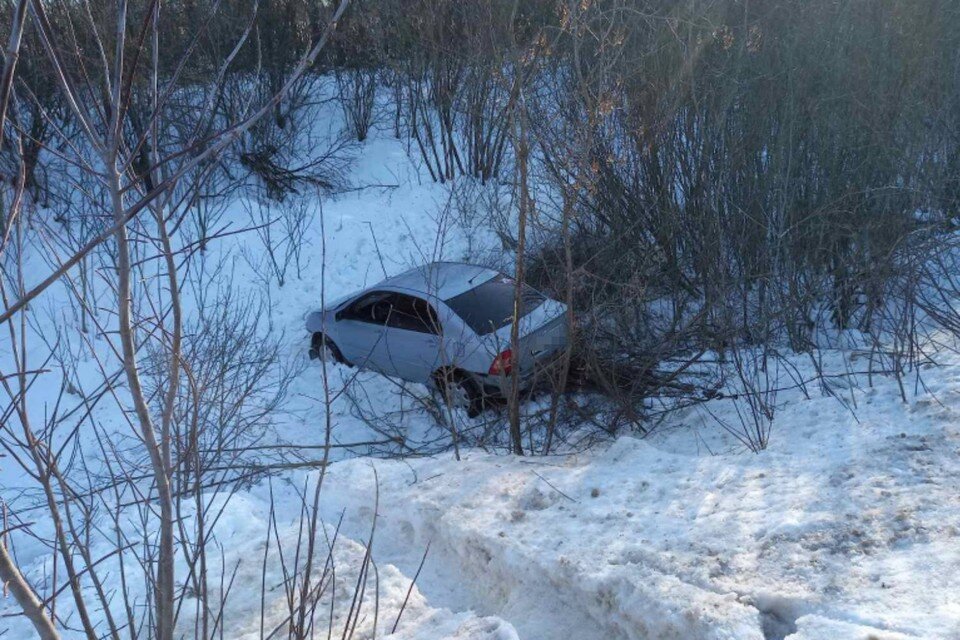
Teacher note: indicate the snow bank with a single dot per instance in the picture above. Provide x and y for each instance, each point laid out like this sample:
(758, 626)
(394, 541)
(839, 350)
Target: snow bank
(846, 527)
(387, 591)
(817, 628)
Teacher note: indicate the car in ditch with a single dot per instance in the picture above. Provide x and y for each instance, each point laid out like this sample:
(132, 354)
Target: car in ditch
(447, 325)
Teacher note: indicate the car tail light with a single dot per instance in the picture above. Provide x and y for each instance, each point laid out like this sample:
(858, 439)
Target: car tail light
(502, 364)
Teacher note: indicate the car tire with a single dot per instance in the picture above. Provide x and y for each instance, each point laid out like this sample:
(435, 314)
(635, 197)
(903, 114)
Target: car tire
(320, 346)
(459, 391)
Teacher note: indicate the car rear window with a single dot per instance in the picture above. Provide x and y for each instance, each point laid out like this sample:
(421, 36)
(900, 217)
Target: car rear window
(489, 306)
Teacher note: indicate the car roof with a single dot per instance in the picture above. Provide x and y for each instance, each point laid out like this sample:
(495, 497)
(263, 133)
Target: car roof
(443, 280)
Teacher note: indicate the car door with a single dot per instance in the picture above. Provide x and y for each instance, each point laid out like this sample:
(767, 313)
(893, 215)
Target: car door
(413, 338)
(361, 329)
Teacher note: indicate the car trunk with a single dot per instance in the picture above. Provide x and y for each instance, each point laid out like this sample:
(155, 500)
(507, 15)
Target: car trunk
(543, 332)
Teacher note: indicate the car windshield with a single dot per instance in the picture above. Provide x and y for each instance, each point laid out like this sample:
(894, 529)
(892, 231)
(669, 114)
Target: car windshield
(489, 306)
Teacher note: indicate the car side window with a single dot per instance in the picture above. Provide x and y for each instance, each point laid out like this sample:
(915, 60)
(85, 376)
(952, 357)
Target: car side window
(413, 314)
(374, 308)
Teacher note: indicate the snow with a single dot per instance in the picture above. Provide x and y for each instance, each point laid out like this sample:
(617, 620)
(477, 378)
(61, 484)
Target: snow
(389, 589)
(845, 527)
(388, 220)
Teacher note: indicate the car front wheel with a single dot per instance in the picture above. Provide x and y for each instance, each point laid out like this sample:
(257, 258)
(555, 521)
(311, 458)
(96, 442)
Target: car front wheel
(323, 348)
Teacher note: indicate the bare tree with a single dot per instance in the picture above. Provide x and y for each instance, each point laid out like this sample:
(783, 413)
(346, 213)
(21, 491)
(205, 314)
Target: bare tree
(138, 169)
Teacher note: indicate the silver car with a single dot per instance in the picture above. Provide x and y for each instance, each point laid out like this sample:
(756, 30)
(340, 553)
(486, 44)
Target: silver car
(445, 324)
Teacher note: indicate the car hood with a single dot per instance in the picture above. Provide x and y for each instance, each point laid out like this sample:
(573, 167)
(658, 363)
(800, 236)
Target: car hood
(329, 306)
(337, 303)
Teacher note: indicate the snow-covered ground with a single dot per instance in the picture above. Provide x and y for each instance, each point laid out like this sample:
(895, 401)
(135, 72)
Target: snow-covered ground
(847, 526)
